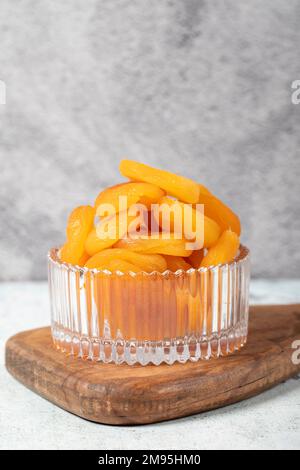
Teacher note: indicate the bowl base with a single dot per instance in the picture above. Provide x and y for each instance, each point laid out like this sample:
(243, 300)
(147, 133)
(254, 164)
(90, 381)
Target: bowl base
(182, 349)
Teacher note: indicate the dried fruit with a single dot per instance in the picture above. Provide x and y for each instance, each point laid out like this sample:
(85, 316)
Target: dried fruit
(196, 258)
(211, 230)
(183, 188)
(220, 213)
(107, 232)
(177, 262)
(79, 225)
(174, 247)
(224, 251)
(136, 192)
(152, 240)
(145, 262)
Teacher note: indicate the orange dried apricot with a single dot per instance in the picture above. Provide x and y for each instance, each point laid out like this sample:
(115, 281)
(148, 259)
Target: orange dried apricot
(188, 215)
(135, 192)
(196, 258)
(174, 247)
(112, 228)
(79, 225)
(119, 235)
(183, 188)
(224, 251)
(146, 262)
(120, 265)
(220, 213)
(94, 244)
(71, 253)
(177, 262)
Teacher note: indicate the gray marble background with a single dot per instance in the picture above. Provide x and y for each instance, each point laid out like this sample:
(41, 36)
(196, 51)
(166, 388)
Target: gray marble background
(201, 87)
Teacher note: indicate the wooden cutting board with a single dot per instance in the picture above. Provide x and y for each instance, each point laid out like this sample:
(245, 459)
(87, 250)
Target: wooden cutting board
(107, 393)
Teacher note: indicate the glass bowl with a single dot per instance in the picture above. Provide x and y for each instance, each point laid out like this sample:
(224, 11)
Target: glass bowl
(149, 318)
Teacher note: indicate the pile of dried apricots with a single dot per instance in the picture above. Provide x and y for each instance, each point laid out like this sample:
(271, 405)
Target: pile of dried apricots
(148, 186)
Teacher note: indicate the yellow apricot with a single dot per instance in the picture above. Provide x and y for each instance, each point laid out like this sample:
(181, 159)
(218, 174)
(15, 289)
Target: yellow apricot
(195, 258)
(224, 251)
(79, 225)
(176, 262)
(185, 189)
(107, 232)
(175, 247)
(119, 265)
(68, 253)
(80, 222)
(220, 213)
(84, 258)
(94, 244)
(189, 217)
(135, 192)
(146, 262)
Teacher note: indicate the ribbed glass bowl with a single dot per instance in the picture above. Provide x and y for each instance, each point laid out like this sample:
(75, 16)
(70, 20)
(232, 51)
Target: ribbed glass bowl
(149, 318)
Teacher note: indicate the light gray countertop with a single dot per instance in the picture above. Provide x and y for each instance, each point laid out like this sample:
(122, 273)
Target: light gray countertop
(27, 421)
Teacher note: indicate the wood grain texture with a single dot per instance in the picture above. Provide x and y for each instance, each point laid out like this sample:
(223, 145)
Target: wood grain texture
(112, 394)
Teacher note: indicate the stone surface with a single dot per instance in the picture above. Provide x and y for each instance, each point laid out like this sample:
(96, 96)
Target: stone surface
(201, 87)
(269, 421)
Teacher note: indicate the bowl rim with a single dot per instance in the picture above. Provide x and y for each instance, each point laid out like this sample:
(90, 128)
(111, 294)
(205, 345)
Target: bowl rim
(53, 259)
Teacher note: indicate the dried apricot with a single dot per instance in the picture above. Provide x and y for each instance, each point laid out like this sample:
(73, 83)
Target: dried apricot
(188, 219)
(220, 213)
(120, 265)
(173, 228)
(183, 188)
(135, 192)
(196, 258)
(174, 247)
(224, 251)
(79, 225)
(177, 262)
(145, 262)
(108, 231)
